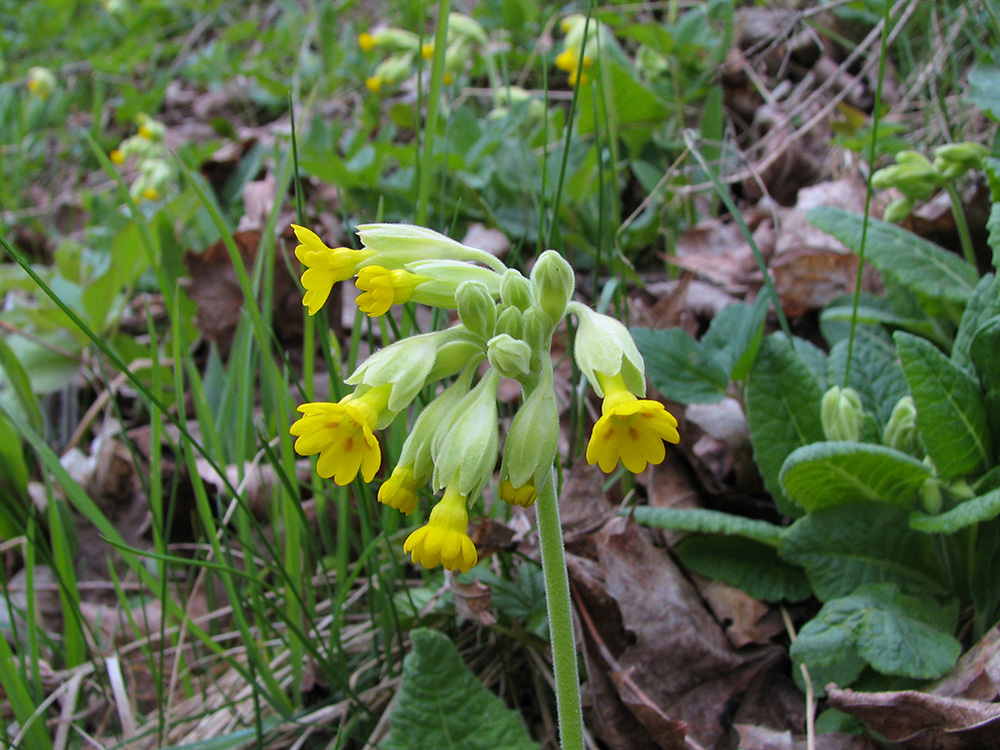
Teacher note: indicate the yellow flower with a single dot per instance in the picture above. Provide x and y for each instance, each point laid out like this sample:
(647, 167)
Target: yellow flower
(399, 491)
(117, 157)
(447, 79)
(150, 194)
(427, 50)
(382, 288)
(572, 78)
(374, 84)
(325, 266)
(342, 435)
(366, 42)
(444, 540)
(630, 429)
(569, 59)
(524, 496)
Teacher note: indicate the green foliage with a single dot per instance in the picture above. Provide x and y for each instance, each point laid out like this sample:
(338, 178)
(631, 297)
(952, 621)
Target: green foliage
(984, 83)
(441, 704)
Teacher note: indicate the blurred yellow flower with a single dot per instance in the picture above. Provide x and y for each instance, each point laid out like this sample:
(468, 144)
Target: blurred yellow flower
(445, 539)
(630, 429)
(427, 50)
(325, 266)
(374, 84)
(366, 42)
(341, 434)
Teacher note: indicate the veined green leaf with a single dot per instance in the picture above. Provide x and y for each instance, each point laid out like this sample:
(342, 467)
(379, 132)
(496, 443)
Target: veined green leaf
(983, 305)
(677, 367)
(951, 412)
(926, 268)
(897, 634)
(747, 564)
(708, 522)
(733, 338)
(845, 546)
(783, 410)
(442, 705)
(834, 473)
(875, 373)
(969, 513)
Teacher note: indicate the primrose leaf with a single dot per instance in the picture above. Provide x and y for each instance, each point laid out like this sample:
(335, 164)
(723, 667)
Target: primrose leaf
(968, 513)
(985, 353)
(783, 410)
(984, 83)
(897, 634)
(845, 546)
(441, 704)
(951, 412)
(927, 269)
(746, 564)
(834, 473)
(734, 336)
(677, 367)
(708, 522)
(983, 305)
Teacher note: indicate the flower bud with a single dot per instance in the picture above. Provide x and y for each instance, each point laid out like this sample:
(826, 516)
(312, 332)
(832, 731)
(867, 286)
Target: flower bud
(603, 345)
(394, 69)
(510, 321)
(511, 357)
(395, 245)
(435, 418)
(515, 290)
(901, 430)
(445, 277)
(930, 495)
(533, 438)
(958, 158)
(537, 327)
(465, 453)
(842, 414)
(476, 308)
(897, 210)
(464, 26)
(405, 365)
(391, 39)
(552, 284)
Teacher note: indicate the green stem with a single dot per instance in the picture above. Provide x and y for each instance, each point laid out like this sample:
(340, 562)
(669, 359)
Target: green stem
(564, 666)
(963, 227)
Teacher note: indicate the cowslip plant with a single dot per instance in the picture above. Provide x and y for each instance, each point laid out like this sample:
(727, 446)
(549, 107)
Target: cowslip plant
(883, 452)
(505, 329)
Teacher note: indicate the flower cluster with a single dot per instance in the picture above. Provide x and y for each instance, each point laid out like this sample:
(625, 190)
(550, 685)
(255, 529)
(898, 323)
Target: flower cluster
(465, 36)
(505, 320)
(154, 166)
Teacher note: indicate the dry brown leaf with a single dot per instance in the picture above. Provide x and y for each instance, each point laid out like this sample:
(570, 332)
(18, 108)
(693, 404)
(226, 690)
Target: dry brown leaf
(977, 673)
(754, 737)
(741, 615)
(472, 601)
(921, 721)
(808, 278)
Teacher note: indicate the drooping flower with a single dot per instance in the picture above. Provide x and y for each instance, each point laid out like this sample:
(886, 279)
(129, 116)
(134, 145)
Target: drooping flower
(342, 434)
(382, 288)
(445, 539)
(399, 491)
(525, 495)
(325, 266)
(630, 429)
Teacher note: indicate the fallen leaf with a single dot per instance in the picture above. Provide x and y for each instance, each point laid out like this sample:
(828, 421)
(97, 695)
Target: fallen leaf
(921, 721)
(977, 673)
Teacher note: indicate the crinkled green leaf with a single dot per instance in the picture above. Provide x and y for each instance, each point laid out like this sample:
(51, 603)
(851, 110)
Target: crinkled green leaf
(951, 413)
(984, 90)
(876, 316)
(734, 336)
(746, 564)
(845, 546)
(834, 473)
(993, 227)
(708, 522)
(968, 513)
(442, 705)
(983, 305)
(894, 633)
(875, 373)
(678, 369)
(783, 410)
(928, 269)
(985, 354)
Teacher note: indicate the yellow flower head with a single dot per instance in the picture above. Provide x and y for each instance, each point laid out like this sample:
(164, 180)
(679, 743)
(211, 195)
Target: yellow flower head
(444, 539)
(366, 42)
(524, 496)
(382, 288)
(374, 84)
(325, 266)
(150, 194)
(342, 435)
(117, 157)
(427, 50)
(399, 491)
(573, 78)
(569, 59)
(630, 429)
